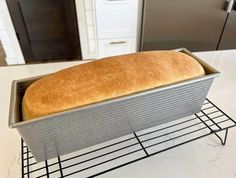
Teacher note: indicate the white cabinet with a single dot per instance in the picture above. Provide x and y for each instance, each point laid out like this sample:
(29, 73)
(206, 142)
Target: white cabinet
(116, 18)
(112, 47)
(117, 22)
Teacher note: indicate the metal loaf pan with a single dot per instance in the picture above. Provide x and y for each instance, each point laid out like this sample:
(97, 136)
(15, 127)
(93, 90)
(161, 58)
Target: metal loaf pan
(68, 131)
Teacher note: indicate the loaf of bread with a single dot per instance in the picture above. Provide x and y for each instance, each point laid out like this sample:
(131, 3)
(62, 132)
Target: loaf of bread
(106, 79)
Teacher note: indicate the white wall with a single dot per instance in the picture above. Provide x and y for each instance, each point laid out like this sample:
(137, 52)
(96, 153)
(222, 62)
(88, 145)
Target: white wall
(8, 37)
(87, 28)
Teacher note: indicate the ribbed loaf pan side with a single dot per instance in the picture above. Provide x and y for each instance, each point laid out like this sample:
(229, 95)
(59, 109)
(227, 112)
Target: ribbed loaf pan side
(69, 132)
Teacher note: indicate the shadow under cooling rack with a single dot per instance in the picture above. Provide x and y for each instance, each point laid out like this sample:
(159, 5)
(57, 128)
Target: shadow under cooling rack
(105, 157)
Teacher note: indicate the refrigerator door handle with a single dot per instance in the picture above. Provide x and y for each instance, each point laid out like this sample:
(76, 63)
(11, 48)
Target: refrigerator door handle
(229, 4)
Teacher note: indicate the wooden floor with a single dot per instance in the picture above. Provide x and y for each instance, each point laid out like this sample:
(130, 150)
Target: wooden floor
(2, 56)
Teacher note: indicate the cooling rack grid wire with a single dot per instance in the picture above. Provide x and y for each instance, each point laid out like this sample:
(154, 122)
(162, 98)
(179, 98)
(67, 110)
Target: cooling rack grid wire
(99, 159)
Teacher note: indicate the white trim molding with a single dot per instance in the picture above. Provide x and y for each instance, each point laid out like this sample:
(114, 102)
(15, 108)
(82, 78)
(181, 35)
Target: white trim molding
(87, 28)
(15, 55)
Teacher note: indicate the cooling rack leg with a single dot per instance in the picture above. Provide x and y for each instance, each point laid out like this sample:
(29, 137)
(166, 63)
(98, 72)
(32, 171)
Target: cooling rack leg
(223, 142)
(226, 134)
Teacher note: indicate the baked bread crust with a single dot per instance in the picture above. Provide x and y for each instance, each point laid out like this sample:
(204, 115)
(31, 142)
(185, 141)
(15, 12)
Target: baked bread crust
(106, 79)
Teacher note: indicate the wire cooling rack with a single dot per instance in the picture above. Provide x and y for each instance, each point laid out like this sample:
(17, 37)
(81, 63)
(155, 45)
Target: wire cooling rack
(105, 157)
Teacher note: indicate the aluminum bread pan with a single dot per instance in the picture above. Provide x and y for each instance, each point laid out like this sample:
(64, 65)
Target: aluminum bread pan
(19, 87)
(47, 136)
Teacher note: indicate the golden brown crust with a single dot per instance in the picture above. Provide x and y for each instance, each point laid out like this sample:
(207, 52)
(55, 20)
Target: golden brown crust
(105, 79)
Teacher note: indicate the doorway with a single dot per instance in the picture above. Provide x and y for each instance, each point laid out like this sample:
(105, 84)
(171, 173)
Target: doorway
(47, 30)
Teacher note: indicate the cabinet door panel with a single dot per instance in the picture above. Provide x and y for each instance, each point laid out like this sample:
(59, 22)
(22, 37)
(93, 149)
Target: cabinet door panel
(116, 18)
(228, 40)
(47, 29)
(169, 24)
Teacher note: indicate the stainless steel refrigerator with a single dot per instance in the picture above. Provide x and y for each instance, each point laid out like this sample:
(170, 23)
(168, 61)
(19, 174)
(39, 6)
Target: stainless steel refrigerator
(198, 25)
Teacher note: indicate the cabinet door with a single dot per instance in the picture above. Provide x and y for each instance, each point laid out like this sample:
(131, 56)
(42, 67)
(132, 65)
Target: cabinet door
(116, 18)
(46, 29)
(228, 40)
(193, 24)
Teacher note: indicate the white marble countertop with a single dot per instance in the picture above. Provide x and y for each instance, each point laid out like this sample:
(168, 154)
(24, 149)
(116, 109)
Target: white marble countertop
(199, 159)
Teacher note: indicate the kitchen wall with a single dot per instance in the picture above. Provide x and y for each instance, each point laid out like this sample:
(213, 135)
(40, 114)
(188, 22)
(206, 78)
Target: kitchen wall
(8, 37)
